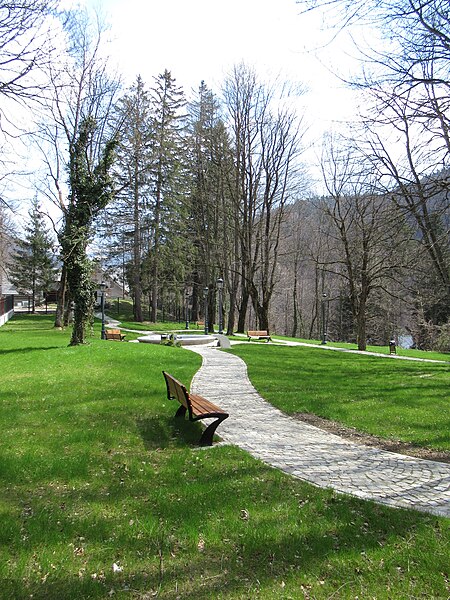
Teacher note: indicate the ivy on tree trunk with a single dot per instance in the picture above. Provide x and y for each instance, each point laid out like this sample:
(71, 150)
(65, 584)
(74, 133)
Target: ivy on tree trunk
(91, 190)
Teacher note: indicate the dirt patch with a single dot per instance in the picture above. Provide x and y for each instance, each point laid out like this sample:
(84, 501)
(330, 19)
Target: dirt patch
(366, 439)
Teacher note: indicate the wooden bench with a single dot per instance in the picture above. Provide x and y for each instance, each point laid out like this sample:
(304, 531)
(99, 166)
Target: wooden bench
(196, 406)
(200, 324)
(263, 334)
(114, 334)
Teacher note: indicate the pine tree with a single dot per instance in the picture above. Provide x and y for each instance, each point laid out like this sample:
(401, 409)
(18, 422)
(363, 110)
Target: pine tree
(168, 250)
(212, 222)
(129, 213)
(33, 267)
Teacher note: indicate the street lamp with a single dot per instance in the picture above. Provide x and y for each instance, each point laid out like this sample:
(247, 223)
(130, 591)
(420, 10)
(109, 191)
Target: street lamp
(220, 290)
(102, 305)
(324, 325)
(186, 306)
(205, 298)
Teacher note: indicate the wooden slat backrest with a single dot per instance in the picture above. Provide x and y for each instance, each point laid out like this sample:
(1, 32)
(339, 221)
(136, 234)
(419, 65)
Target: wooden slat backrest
(176, 390)
(257, 333)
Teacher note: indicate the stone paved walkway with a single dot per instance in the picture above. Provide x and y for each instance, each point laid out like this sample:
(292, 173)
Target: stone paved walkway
(312, 454)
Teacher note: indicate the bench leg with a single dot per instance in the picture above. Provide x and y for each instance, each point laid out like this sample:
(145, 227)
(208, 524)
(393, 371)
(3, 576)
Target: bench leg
(208, 435)
(181, 411)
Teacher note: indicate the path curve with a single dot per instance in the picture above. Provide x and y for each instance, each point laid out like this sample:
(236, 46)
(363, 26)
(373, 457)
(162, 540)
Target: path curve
(311, 454)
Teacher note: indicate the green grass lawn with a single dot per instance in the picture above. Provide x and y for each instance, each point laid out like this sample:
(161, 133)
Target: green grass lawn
(401, 400)
(124, 313)
(104, 495)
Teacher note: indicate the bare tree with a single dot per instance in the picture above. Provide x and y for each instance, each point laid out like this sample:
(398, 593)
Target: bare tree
(281, 181)
(24, 47)
(243, 97)
(407, 126)
(76, 140)
(267, 144)
(369, 241)
(414, 172)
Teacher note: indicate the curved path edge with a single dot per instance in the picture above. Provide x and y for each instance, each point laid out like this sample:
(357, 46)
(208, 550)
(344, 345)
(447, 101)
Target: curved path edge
(311, 454)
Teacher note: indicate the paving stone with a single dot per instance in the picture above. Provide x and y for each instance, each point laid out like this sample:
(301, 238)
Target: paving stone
(311, 454)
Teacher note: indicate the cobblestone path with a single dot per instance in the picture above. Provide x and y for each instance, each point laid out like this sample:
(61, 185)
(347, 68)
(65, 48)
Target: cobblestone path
(312, 454)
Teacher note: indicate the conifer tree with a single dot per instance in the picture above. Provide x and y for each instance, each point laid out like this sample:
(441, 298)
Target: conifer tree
(33, 266)
(212, 222)
(169, 179)
(129, 214)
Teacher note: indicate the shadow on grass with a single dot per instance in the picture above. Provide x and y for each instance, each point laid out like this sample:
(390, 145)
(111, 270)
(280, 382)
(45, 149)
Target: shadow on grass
(166, 431)
(28, 349)
(327, 534)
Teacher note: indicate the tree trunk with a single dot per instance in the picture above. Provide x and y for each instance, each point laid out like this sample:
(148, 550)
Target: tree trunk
(62, 293)
(81, 291)
(137, 305)
(155, 265)
(361, 331)
(361, 318)
(294, 298)
(242, 316)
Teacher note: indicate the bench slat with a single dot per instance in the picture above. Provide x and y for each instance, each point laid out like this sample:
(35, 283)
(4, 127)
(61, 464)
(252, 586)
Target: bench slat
(201, 406)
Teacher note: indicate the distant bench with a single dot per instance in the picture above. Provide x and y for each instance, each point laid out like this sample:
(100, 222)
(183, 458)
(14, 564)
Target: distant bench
(262, 334)
(196, 406)
(114, 334)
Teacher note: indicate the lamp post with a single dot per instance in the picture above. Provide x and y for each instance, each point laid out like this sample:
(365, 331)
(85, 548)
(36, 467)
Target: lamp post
(186, 306)
(220, 290)
(324, 325)
(205, 298)
(102, 305)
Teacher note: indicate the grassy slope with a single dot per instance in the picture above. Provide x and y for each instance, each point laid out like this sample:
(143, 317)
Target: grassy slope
(94, 472)
(396, 399)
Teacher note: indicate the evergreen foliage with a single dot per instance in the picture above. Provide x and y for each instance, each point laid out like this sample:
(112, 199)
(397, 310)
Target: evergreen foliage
(169, 181)
(128, 218)
(33, 266)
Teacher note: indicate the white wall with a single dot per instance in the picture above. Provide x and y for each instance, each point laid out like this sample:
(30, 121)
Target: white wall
(6, 317)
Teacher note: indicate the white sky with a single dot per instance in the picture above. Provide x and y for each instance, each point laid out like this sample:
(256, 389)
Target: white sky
(202, 40)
